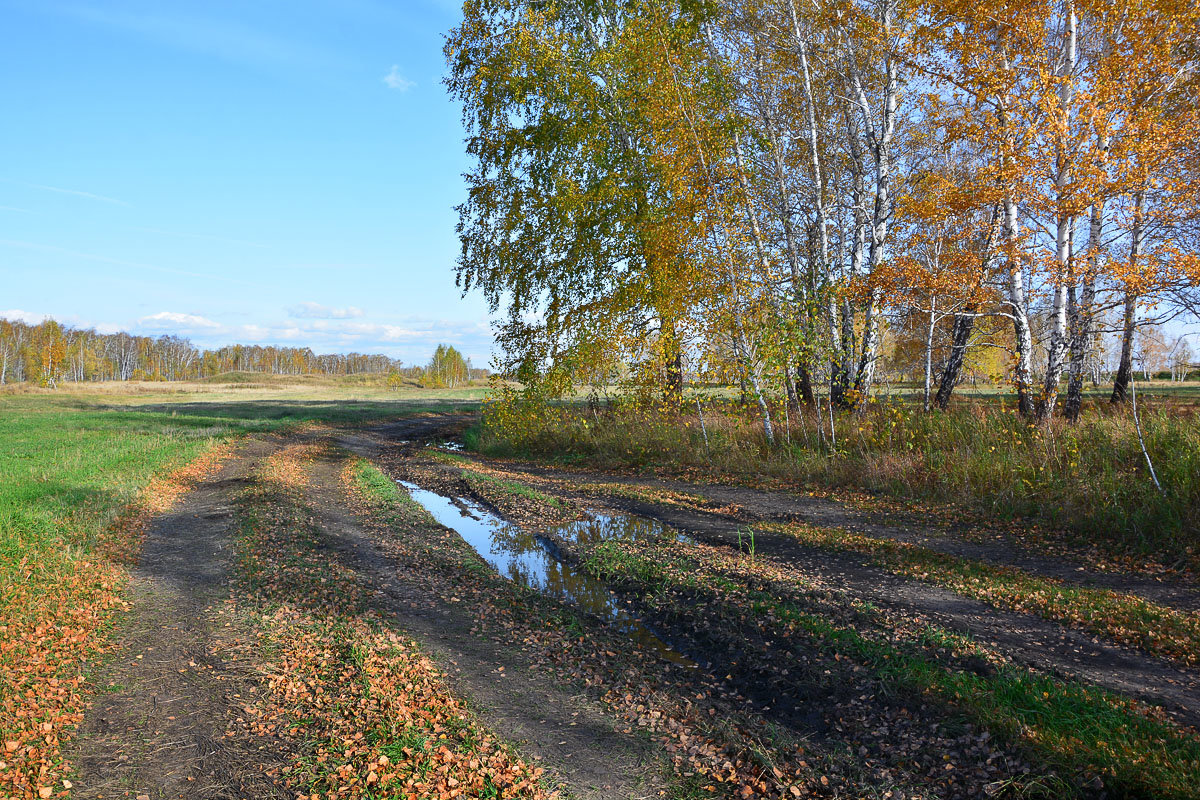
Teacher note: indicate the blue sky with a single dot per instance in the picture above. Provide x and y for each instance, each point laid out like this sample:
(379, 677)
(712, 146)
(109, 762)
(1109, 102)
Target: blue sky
(270, 172)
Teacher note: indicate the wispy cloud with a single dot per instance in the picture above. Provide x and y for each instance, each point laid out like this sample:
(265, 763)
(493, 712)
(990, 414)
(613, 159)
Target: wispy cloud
(78, 193)
(74, 320)
(394, 80)
(318, 311)
(49, 248)
(14, 208)
(410, 339)
(28, 317)
(173, 320)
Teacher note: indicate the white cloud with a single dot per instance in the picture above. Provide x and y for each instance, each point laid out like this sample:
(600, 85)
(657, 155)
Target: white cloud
(318, 311)
(411, 339)
(174, 321)
(28, 317)
(394, 80)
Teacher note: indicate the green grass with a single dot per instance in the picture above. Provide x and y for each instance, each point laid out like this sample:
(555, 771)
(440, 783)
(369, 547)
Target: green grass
(67, 468)
(448, 458)
(612, 559)
(489, 486)
(70, 462)
(379, 488)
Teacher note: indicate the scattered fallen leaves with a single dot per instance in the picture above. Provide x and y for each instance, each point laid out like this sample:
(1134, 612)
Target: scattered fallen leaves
(372, 714)
(52, 627)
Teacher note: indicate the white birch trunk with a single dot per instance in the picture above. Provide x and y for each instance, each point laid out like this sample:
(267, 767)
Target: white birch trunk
(929, 351)
(881, 146)
(1064, 273)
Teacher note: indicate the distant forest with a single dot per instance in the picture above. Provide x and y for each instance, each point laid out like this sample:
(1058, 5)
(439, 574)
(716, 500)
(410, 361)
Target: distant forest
(50, 353)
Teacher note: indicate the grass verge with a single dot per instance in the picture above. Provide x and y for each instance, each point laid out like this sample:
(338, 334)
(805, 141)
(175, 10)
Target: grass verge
(82, 472)
(1123, 618)
(78, 485)
(1088, 479)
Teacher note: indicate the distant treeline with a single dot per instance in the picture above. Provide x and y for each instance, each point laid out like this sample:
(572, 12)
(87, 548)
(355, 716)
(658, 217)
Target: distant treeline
(49, 353)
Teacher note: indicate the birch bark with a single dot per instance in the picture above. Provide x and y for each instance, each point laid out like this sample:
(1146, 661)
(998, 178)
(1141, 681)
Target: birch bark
(1064, 272)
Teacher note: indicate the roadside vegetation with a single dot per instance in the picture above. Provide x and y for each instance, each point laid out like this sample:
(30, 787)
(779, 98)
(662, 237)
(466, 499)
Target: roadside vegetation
(1089, 479)
(715, 745)
(788, 683)
(1127, 619)
(78, 485)
(779, 633)
(1123, 618)
(1087, 733)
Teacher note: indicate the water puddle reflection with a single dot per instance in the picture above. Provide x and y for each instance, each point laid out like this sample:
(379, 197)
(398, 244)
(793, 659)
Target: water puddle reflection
(535, 561)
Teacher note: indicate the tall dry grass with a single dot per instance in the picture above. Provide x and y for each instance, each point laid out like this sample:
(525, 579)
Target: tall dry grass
(1089, 479)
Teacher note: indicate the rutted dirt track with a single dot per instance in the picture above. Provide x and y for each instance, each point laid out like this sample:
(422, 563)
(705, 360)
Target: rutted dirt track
(161, 724)
(164, 721)
(1030, 640)
(158, 724)
(547, 721)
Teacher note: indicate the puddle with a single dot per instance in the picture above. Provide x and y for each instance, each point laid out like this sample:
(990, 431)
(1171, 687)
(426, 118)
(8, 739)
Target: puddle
(535, 561)
(452, 446)
(602, 528)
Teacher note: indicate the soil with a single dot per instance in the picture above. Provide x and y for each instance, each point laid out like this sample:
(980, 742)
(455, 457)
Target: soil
(747, 504)
(160, 722)
(564, 731)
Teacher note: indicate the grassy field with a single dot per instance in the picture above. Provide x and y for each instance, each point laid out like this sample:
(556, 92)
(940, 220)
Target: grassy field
(70, 459)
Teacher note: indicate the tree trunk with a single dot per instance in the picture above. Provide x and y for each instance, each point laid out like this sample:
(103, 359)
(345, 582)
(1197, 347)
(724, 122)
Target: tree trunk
(804, 385)
(791, 245)
(845, 366)
(960, 338)
(673, 391)
(823, 270)
(789, 385)
(1064, 234)
(1129, 318)
(1083, 318)
(1023, 369)
(1120, 393)
(929, 351)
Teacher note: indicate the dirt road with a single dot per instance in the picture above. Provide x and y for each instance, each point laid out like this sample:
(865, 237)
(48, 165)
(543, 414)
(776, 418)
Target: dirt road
(189, 704)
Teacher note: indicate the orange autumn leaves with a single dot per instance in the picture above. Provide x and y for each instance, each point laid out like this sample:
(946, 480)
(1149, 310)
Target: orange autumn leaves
(370, 712)
(382, 721)
(50, 628)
